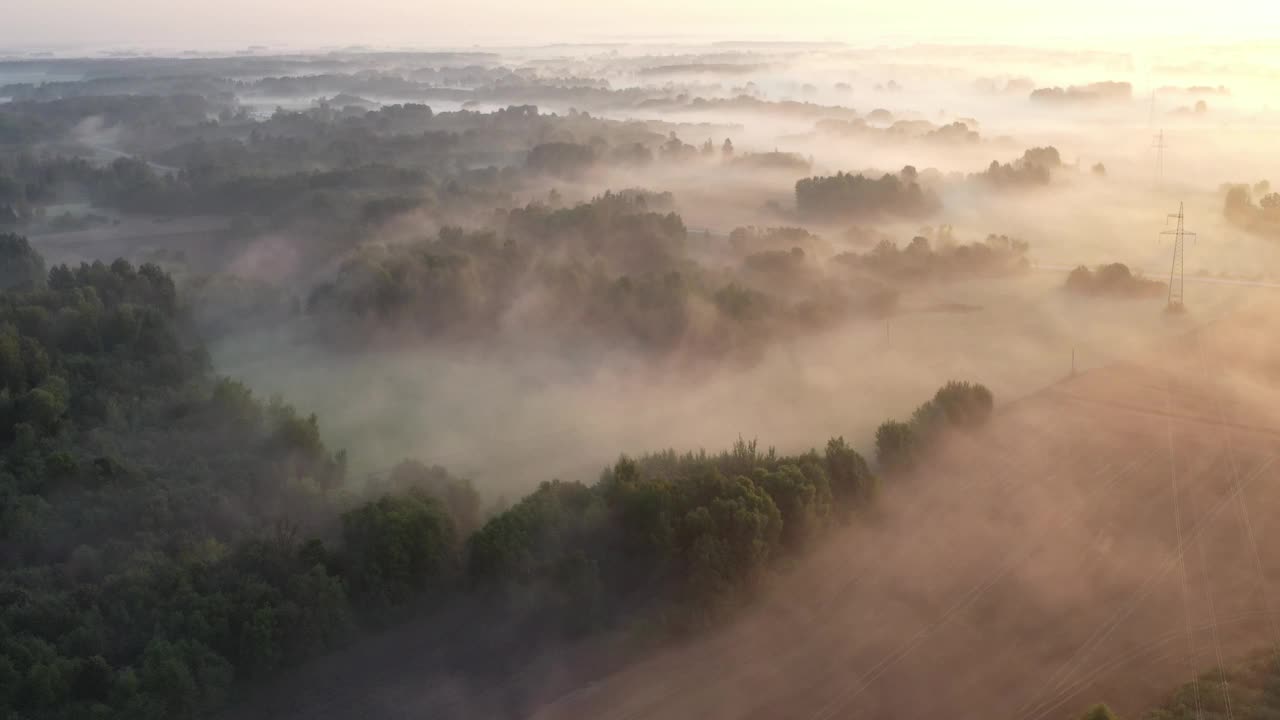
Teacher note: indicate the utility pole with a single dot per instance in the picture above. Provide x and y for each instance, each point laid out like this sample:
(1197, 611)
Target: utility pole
(1177, 273)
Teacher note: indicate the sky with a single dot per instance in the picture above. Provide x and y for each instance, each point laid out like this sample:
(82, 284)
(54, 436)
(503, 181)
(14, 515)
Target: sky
(227, 24)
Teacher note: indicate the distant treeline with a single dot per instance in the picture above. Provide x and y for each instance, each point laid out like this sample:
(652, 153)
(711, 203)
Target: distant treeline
(843, 196)
(570, 160)
(1034, 168)
(955, 133)
(1262, 217)
(1113, 280)
(225, 82)
(1106, 91)
(331, 170)
(996, 256)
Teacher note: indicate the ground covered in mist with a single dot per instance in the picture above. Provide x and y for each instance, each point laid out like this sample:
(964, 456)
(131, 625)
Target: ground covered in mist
(1103, 540)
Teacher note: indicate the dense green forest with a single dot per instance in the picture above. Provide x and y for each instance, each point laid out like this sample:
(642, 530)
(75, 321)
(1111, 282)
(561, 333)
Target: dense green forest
(171, 541)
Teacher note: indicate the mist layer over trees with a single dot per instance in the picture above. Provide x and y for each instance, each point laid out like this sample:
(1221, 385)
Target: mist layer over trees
(303, 353)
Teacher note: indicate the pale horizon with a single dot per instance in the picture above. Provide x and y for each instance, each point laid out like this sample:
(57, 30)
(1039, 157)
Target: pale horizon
(70, 25)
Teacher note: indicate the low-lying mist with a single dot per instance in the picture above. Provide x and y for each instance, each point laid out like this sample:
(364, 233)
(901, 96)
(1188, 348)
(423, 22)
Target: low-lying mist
(517, 265)
(510, 418)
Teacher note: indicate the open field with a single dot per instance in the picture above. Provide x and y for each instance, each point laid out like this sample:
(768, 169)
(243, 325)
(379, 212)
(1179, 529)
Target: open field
(1030, 570)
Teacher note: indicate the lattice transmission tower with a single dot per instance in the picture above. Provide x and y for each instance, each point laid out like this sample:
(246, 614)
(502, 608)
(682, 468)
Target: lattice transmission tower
(1177, 273)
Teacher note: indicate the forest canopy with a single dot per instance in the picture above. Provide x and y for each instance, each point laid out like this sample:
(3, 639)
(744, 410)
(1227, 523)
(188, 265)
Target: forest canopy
(170, 540)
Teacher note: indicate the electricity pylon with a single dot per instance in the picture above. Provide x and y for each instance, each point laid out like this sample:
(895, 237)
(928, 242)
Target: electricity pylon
(1176, 272)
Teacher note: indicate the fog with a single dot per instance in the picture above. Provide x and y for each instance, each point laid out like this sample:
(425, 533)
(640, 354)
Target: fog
(523, 261)
(1030, 570)
(511, 416)
(510, 419)
(1067, 590)
(564, 411)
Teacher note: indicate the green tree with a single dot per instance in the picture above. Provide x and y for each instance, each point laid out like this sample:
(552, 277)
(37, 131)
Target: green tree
(457, 495)
(895, 445)
(524, 544)
(726, 542)
(803, 500)
(21, 267)
(852, 484)
(397, 547)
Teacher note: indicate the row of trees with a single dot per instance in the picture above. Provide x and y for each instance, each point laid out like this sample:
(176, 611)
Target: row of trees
(1112, 280)
(956, 133)
(569, 160)
(1096, 92)
(129, 185)
(996, 256)
(956, 405)
(845, 196)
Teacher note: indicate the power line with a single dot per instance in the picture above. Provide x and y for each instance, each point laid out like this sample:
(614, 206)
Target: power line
(1241, 506)
(1101, 669)
(1058, 684)
(1177, 272)
(832, 708)
(1182, 558)
(1213, 629)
